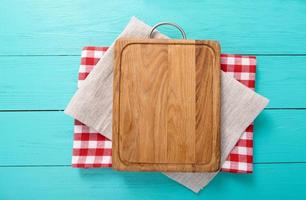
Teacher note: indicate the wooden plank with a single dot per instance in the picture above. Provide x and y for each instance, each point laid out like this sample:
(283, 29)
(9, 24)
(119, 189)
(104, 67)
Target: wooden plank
(278, 135)
(36, 138)
(45, 138)
(37, 82)
(142, 88)
(282, 80)
(52, 28)
(279, 78)
(181, 105)
(208, 109)
(269, 182)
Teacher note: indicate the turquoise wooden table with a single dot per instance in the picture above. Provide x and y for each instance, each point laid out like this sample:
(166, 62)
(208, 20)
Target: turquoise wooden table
(40, 44)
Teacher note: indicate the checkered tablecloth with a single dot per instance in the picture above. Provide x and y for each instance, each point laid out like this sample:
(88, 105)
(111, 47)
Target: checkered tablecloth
(93, 150)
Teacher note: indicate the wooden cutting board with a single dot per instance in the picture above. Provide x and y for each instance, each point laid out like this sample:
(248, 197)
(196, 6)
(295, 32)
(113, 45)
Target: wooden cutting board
(166, 106)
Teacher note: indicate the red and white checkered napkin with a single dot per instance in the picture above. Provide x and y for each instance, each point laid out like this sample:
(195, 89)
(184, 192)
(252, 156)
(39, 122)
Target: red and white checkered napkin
(92, 150)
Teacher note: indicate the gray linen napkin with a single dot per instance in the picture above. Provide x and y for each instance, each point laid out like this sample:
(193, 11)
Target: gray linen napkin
(92, 105)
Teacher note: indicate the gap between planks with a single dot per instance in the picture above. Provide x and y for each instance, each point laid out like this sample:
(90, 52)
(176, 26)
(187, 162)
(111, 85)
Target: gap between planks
(74, 55)
(62, 110)
(33, 166)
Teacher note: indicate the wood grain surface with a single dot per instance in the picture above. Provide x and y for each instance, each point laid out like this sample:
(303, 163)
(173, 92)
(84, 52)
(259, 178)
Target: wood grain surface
(166, 110)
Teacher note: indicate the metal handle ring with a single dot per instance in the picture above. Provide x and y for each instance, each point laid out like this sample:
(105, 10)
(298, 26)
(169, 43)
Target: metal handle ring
(169, 24)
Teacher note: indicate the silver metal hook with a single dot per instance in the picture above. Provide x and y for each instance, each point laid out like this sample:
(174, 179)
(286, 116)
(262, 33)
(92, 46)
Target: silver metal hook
(169, 24)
